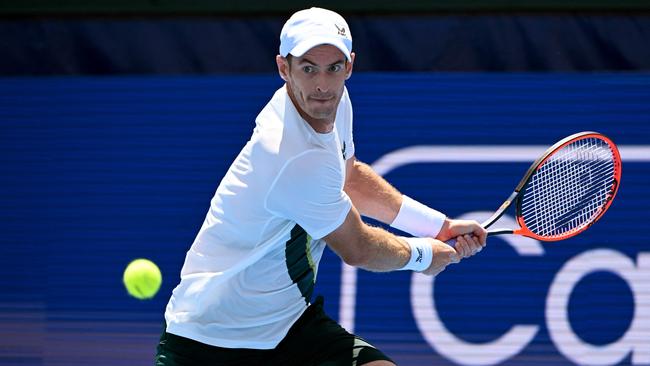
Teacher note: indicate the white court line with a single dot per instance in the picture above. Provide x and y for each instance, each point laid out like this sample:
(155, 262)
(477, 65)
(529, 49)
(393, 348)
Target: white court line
(453, 154)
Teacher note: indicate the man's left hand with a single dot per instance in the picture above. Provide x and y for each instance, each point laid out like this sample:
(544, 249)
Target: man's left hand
(470, 236)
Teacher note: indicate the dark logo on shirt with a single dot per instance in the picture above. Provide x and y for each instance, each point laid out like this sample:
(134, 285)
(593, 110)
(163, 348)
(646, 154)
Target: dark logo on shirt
(419, 258)
(343, 150)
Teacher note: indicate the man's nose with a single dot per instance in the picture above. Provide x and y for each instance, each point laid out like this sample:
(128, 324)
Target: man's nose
(322, 85)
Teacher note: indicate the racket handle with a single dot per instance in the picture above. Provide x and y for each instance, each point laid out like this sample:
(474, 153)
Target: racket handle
(499, 232)
(452, 242)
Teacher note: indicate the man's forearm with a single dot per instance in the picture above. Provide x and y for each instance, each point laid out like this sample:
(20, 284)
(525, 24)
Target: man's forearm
(376, 249)
(374, 197)
(371, 248)
(381, 251)
(371, 194)
(385, 251)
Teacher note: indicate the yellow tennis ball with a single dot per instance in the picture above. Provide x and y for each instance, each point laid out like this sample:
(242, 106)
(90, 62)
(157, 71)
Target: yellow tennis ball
(142, 278)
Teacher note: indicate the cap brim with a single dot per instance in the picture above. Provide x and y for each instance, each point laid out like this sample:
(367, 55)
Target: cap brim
(310, 43)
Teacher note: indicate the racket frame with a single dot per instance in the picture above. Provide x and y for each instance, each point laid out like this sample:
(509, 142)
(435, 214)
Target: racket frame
(516, 195)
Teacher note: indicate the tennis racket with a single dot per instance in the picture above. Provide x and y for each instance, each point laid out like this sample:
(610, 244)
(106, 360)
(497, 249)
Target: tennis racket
(565, 191)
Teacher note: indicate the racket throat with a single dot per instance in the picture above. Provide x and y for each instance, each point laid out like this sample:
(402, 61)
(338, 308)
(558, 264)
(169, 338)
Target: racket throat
(496, 215)
(500, 232)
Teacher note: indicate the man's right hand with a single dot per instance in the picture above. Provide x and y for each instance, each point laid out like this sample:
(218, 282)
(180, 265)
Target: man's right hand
(443, 255)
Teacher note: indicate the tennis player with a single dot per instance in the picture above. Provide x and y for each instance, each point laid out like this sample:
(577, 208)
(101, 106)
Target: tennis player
(245, 294)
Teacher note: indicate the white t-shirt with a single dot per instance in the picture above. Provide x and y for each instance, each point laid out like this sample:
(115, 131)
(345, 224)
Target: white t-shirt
(250, 271)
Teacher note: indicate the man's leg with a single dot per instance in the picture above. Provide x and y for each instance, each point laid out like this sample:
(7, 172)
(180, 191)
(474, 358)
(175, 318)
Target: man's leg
(316, 339)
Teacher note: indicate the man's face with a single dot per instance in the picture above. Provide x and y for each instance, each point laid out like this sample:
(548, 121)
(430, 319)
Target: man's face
(315, 80)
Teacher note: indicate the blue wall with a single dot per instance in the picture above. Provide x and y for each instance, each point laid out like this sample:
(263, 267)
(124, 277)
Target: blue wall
(99, 171)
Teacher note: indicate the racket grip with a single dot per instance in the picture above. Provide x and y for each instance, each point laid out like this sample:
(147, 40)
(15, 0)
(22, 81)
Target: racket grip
(452, 242)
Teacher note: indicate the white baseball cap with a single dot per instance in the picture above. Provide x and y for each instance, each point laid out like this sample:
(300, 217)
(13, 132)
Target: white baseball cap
(312, 27)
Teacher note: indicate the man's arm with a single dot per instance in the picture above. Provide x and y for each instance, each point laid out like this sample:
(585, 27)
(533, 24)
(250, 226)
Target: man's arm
(375, 249)
(374, 197)
(370, 193)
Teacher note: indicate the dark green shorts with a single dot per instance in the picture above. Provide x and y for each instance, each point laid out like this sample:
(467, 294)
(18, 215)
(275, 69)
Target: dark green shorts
(315, 339)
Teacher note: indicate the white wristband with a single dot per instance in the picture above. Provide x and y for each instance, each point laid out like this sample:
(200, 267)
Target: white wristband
(421, 254)
(418, 219)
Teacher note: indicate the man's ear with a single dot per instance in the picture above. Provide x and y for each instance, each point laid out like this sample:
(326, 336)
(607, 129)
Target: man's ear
(283, 67)
(349, 66)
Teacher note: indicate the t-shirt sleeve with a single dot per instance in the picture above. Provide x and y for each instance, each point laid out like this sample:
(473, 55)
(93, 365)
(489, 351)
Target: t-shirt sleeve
(347, 136)
(309, 191)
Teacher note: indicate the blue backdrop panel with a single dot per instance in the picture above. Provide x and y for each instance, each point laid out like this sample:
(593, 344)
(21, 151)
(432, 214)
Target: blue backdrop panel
(99, 171)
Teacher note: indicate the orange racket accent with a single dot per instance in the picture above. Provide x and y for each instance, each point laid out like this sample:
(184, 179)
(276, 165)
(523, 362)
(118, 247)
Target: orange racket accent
(565, 191)
(569, 188)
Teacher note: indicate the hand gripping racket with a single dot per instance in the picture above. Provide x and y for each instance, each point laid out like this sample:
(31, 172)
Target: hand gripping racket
(565, 191)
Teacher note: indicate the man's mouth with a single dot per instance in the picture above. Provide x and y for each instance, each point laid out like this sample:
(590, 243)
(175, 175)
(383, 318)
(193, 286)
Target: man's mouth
(322, 98)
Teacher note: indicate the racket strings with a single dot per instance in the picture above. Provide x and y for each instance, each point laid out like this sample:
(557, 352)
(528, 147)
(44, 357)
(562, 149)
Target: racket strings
(569, 190)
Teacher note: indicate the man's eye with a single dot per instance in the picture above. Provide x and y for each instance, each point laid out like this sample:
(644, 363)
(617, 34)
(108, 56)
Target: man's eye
(335, 68)
(308, 69)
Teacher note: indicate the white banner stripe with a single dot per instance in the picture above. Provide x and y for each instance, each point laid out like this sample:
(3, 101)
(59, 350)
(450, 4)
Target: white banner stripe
(483, 154)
